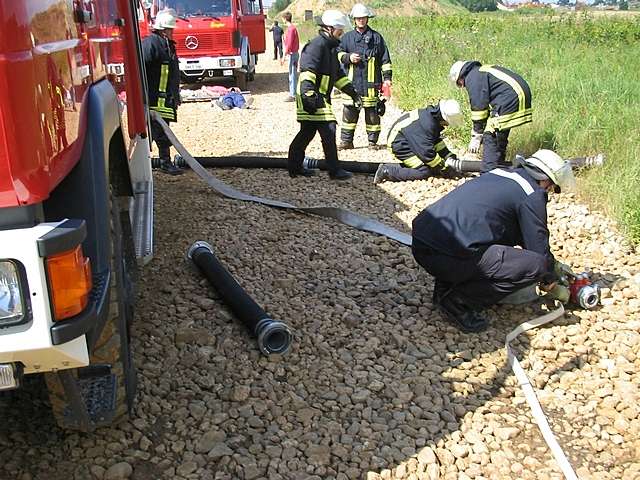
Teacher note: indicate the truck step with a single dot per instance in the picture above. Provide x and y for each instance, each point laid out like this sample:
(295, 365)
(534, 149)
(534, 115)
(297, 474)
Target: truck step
(142, 220)
(98, 391)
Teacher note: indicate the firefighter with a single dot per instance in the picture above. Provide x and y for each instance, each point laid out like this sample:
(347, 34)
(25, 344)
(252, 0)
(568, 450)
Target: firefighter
(415, 141)
(500, 100)
(163, 82)
(319, 73)
(365, 57)
(467, 239)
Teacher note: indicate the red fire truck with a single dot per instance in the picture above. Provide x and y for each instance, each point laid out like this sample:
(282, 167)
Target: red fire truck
(217, 38)
(75, 201)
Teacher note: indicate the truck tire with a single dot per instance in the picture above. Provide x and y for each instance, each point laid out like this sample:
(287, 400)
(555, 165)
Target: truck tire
(113, 345)
(241, 80)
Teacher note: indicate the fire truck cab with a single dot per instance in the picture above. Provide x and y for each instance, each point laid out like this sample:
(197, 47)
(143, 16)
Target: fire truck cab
(217, 38)
(76, 201)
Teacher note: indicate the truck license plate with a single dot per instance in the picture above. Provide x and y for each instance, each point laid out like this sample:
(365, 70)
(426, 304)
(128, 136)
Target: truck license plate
(227, 73)
(8, 378)
(193, 66)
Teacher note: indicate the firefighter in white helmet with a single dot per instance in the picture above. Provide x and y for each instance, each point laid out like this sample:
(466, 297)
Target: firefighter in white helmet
(500, 100)
(163, 82)
(319, 73)
(365, 57)
(467, 240)
(415, 140)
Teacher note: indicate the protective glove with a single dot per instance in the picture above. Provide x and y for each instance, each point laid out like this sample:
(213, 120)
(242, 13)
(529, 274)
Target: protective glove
(310, 101)
(560, 293)
(357, 101)
(476, 141)
(562, 269)
(443, 170)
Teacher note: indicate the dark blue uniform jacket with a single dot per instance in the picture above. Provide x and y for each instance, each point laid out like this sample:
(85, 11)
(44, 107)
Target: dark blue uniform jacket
(488, 210)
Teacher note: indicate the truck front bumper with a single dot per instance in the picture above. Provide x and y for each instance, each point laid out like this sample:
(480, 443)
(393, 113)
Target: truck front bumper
(201, 68)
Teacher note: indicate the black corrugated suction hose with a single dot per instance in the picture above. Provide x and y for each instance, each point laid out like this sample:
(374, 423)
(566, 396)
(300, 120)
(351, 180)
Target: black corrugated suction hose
(237, 161)
(273, 336)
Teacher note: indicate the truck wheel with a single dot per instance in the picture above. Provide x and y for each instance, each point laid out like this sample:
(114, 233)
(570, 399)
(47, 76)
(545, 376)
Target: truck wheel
(241, 80)
(112, 347)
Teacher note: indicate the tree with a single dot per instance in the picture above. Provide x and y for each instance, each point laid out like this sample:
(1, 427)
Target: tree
(279, 5)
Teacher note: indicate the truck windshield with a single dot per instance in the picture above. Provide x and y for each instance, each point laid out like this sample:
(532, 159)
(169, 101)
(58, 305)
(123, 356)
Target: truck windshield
(196, 8)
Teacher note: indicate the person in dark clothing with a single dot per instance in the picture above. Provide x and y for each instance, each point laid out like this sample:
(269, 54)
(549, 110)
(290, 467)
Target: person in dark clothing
(365, 57)
(319, 73)
(467, 239)
(163, 82)
(500, 100)
(277, 40)
(415, 140)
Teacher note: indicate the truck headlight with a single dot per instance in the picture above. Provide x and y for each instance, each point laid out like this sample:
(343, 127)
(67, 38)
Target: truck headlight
(13, 293)
(227, 62)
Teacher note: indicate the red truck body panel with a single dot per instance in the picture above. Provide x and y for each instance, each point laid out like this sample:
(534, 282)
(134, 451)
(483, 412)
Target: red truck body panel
(48, 60)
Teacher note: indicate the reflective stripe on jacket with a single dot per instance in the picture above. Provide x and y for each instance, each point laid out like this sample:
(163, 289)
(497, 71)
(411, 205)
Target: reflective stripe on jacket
(319, 73)
(374, 67)
(415, 138)
(500, 99)
(163, 75)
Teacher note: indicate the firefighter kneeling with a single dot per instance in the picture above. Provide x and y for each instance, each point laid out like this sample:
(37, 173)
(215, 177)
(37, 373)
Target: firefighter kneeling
(415, 141)
(467, 239)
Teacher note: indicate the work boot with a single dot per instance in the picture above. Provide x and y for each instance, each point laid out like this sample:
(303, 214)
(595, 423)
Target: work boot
(459, 314)
(340, 174)
(167, 166)
(382, 174)
(345, 145)
(374, 146)
(294, 171)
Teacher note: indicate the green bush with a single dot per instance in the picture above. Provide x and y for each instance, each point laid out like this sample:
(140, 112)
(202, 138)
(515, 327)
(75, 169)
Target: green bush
(583, 74)
(479, 5)
(278, 6)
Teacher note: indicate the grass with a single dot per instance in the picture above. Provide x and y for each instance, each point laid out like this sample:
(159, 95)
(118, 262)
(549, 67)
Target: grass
(583, 74)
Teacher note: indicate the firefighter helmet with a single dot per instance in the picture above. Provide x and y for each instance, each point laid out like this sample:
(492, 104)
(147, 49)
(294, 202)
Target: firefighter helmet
(451, 112)
(360, 10)
(335, 19)
(554, 167)
(165, 19)
(454, 73)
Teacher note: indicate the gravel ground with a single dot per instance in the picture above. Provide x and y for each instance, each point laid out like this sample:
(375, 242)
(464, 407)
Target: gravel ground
(376, 386)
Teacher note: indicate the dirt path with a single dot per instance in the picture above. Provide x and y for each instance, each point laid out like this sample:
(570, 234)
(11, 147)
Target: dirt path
(376, 386)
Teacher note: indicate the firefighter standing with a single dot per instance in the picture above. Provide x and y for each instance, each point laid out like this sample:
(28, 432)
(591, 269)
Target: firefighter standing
(415, 140)
(500, 100)
(163, 82)
(364, 55)
(467, 239)
(319, 73)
